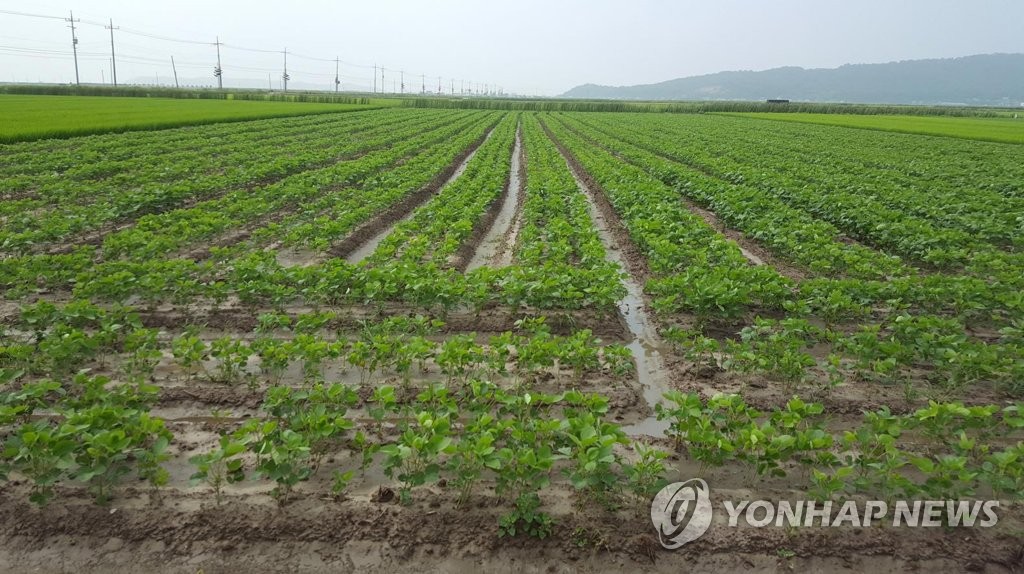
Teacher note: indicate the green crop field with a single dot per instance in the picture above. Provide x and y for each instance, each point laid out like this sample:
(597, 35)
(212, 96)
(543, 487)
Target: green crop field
(461, 327)
(1002, 129)
(25, 118)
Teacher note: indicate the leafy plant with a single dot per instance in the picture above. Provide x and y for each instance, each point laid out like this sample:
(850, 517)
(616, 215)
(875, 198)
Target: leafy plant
(474, 453)
(189, 351)
(232, 356)
(221, 466)
(592, 456)
(646, 474)
(414, 458)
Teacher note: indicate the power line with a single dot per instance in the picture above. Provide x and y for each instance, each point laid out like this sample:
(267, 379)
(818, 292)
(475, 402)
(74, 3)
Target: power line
(218, 72)
(294, 55)
(233, 47)
(164, 38)
(43, 54)
(14, 13)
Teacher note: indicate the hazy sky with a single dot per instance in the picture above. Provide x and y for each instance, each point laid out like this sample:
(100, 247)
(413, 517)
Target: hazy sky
(527, 46)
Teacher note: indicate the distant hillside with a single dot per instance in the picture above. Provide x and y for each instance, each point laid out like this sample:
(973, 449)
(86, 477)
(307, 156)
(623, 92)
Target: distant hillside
(986, 80)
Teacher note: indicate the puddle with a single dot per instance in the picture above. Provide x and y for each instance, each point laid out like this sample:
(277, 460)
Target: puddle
(296, 257)
(368, 247)
(497, 246)
(751, 257)
(715, 223)
(651, 370)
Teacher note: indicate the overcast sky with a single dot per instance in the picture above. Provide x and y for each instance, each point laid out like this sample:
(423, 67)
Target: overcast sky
(539, 47)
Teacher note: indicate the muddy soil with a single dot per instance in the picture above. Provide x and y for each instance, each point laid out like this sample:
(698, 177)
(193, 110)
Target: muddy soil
(348, 318)
(354, 247)
(495, 248)
(186, 531)
(753, 251)
(646, 345)
(183, 528)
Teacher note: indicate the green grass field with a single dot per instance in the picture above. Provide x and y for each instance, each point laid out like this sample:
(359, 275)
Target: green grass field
(1002, 130)
(25, 118)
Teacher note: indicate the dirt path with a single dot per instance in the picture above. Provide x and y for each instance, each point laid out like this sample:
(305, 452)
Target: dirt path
(361, 243)
(498, 244)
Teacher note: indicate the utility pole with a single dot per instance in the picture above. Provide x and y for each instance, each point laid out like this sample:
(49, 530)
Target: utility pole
(337, 78)
(402, 72)
(175, 68)
(218, 71)
(453, 86)
(423, 84)
(270, 85)
(284, 76)
(103, 76)
(375, 78)
(113, 58)
(74, 44)
(383, 86)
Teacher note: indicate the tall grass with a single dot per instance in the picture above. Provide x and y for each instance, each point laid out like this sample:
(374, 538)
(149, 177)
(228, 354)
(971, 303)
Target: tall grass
(693, 107)
(550, 105)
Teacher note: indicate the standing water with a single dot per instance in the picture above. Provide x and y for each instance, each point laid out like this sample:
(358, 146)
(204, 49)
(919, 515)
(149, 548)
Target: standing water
(650, 366)
(497, 246)
(367, 248)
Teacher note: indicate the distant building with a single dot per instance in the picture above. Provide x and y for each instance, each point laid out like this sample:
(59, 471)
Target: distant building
(778, 101)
